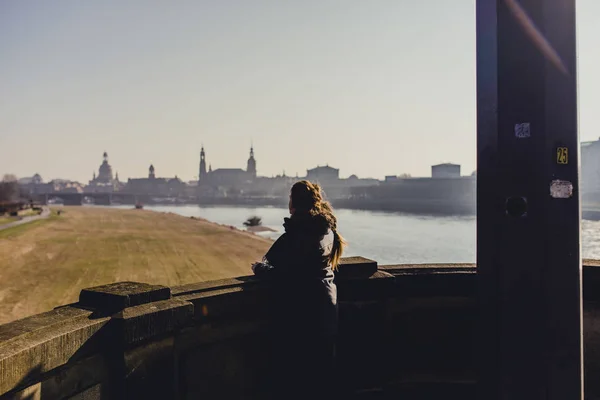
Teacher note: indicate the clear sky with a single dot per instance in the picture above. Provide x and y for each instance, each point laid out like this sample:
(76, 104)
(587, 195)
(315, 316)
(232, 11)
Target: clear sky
(371, 87)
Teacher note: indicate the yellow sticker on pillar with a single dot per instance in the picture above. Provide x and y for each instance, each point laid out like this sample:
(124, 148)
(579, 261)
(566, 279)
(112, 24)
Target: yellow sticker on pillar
(562, 155)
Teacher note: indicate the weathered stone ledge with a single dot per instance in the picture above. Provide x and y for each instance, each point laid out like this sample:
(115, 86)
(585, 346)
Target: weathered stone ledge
(207, 286)
(25, 357)
(402, 327)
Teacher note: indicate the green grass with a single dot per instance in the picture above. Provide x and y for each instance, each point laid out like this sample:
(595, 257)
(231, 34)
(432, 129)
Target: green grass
(46, 263)
(20, 229)
(15, 231)
(28, 213)
(7, 220)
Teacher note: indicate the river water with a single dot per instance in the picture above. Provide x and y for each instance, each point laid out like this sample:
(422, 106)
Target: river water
(388, 238)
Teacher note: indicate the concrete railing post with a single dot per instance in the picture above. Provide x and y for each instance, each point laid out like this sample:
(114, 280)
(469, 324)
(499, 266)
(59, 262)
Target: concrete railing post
(140, 352)
(364, 324)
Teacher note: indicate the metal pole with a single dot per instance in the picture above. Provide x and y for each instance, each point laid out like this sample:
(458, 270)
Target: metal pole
(528, 212)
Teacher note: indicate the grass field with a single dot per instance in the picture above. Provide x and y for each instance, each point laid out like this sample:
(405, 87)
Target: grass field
(46, 263)
(7, 220)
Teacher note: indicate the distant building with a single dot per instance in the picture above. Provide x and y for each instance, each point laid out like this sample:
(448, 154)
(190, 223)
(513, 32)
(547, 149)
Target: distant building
(229, 177)
(323, 174)
(590, 167)
(202, 174)
(233, 179)
(153, 186)
(34, 180)
(104, 182)
(335, 187)
(251, 167)
(445, 171)
(105, 174)
(35, 185)
(66, 186)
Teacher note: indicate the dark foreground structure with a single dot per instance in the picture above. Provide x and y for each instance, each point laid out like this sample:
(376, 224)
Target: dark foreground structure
(406, 331)
(528, 203)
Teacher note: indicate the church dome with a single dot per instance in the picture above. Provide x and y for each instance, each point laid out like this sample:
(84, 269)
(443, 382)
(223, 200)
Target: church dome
(105, 173)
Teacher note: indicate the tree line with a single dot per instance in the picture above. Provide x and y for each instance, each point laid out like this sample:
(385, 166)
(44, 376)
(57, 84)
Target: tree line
(9, 189)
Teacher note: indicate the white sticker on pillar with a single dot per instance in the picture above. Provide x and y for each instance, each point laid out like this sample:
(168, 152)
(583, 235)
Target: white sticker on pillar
(523, 130)
(561, 189)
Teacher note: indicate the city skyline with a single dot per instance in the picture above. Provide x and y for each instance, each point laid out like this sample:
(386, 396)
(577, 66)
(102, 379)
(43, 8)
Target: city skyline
(374, 89)
(212, 167)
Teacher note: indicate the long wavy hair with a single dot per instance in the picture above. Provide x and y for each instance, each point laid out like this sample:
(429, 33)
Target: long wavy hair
(307, 197)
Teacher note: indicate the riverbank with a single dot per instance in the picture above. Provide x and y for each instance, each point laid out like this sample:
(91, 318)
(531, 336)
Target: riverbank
(45, 264)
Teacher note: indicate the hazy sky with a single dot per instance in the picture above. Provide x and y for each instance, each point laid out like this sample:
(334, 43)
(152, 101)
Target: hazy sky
(371, 87)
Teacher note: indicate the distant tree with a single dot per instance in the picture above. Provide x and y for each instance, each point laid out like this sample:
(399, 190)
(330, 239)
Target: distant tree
(253, 221)
(9, 189)
(405, 176)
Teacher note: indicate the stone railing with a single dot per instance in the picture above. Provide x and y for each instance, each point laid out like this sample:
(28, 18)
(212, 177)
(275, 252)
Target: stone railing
(406, 330)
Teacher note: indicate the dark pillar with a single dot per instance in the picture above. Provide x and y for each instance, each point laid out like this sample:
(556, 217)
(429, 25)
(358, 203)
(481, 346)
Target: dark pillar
(363, 353)
(528, 250)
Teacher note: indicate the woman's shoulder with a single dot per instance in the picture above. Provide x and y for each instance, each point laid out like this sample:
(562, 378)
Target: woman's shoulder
(314, 225)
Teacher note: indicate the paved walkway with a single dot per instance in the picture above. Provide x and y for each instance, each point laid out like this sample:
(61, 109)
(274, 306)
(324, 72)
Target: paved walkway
(44, 214)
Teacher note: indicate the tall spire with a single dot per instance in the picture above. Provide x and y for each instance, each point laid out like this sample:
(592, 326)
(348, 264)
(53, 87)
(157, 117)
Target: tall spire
(202, 170)
(251, 169)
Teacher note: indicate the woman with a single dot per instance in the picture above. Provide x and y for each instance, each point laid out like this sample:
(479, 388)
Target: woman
(301, 265)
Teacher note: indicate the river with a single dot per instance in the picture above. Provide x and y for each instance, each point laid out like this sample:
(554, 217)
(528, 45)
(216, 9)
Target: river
(388, 238)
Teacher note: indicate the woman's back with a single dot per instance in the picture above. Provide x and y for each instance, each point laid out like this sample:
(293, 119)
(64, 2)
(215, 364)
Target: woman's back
(304, 292)
(300, 266)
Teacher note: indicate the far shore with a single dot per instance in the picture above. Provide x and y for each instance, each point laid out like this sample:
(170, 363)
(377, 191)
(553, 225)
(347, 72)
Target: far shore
(590, 211)
(260, 228)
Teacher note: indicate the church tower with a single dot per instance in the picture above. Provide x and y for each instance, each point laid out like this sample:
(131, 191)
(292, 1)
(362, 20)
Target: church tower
(251, 163)
(151, 172)
(105, 174)
(202, 173)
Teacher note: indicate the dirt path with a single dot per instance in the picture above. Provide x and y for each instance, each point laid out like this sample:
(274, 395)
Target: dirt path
(44, 214)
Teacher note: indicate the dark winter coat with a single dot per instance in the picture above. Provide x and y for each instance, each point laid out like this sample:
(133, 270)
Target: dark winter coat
(305, 295)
